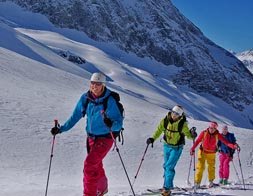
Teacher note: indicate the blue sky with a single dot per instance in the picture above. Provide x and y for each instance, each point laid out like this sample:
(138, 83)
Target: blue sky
(229, 23)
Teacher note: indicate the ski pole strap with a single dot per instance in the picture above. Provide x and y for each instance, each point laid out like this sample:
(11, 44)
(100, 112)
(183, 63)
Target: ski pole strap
(121, 136)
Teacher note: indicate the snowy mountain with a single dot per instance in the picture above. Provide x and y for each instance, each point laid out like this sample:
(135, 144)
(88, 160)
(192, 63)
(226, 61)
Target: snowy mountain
(38, 84)
(247, 58)
(40, 41)
(156, 30)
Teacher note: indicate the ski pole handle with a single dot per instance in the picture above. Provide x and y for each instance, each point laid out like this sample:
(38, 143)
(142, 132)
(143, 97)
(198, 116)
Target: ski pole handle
(55, 122)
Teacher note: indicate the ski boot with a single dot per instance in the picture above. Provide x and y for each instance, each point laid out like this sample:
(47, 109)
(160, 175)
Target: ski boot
(225, 181)
(196, 186)
(166, 192)
(221, 181)
(210, 184)
(102, 192)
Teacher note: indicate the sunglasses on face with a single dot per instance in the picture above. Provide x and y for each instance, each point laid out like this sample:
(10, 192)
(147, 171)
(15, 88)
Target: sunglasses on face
(96, 83)
(175, 113)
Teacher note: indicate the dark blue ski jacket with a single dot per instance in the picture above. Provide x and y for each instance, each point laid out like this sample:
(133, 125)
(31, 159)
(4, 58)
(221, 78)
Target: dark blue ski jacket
(225, 149)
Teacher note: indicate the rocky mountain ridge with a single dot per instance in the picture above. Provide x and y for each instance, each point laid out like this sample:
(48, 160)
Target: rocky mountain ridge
(155, 29)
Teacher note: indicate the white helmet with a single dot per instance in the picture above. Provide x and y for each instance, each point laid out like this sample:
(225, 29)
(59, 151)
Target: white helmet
(98, 77)
(178, 110)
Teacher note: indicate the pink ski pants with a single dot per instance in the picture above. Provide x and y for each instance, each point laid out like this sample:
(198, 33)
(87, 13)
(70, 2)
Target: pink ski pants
(224, 165)
(94, 178)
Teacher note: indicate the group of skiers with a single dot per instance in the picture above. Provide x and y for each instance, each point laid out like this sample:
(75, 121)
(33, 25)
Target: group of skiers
(211, 142)
(103, 125)
(175, 128)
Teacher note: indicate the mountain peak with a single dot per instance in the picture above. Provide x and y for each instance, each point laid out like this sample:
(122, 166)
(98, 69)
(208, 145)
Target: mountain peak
(156, 30)
(247, 58)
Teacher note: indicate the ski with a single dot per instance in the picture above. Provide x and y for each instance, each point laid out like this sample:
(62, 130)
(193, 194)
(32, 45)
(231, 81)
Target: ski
(155, 190)
(175, 191)
(207, 187)
(189, 190)
(233, 187)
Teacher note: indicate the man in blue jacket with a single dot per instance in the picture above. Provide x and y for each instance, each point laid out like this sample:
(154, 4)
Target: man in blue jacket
(101, 126)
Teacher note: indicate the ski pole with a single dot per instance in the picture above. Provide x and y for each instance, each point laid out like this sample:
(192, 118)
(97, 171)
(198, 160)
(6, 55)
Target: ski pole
(240, 165)
(194, 167)
(117, 149)
(140, 164)
(189, 171)
(236, 171)
(192, 130)
(51, 157)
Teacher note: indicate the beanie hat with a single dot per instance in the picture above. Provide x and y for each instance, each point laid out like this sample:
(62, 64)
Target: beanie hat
(178, 110)
(98, 77)
(213, 124)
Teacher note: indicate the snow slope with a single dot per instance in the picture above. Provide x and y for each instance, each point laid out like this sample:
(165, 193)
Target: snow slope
(30, 100)
(38, 86)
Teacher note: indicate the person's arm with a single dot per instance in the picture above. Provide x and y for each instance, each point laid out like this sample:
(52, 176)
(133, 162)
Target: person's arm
(233, 139)
(159, 130)
(75, 117)
(113, 113)
(186, 131)
(197, 141)
(232, 151)
(226, 142)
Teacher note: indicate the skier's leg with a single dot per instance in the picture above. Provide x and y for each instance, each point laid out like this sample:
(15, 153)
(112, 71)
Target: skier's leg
(171, 157)
(200, 167)
(102, 182)
(98, 150)
(226, 166)
(210, 158)
(221, 166)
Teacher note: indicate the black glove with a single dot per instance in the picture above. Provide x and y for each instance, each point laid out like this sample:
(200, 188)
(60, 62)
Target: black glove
(55, 130)
(231, 153)
(193, 132)
(237, 147)
(150, 141)
(108, 122)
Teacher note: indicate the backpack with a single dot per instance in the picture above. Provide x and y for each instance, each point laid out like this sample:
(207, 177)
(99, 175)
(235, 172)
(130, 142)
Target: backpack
(115, 96)
(180, 128)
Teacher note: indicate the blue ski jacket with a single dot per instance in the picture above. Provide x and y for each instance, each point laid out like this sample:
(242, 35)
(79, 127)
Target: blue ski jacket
(225, 149)
(95, 115)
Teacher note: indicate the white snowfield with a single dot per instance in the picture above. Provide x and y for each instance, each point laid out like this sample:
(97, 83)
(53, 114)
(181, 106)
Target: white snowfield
(38, 86)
